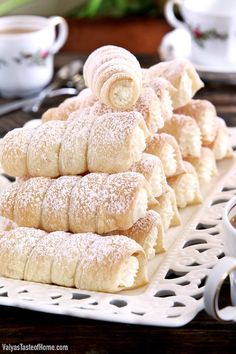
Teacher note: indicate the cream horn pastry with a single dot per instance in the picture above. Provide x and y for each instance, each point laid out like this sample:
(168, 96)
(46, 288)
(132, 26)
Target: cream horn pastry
(109, 143)
(97, 202)
(148, 105)
(164, 91)
(151, 168)
(114, 76)
(204, 113)
(102, 55)
(85, 261)
(167, 149)
(221, 146)
(148, 232)
(84, 99)
(182, 75)
(205, 165)
(167, 209)
(186, 187)
(187, 134)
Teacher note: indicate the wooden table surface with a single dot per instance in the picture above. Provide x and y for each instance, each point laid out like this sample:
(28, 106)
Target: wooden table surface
(203, 334)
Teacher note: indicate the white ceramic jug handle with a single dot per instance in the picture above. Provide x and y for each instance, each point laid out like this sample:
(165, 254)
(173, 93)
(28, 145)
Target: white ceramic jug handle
(170, 14)
(214, 283)
(62, 33)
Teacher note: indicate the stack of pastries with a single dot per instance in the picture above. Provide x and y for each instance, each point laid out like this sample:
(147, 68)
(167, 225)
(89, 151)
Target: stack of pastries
(100, 181)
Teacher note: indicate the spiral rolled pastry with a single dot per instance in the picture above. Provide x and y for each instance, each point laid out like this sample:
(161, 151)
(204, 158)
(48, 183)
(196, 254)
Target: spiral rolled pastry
(186, 187)
(109, 143)
(97, 202)
(221, 146)
(148, 105)
(148, 232)
(85, 261)
(114, 76)
(186, 132)
(205, 165)
(151, 168)
(164, 91)
(167, 149)
(84, 99)
(167, 209)
(204, 113)
(182, 75)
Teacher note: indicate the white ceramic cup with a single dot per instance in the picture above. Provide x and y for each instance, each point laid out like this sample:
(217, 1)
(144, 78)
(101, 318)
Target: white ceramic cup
(225, 267)
(27, 48)
(212, 25)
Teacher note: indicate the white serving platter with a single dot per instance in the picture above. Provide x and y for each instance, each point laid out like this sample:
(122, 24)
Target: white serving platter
(174, 295)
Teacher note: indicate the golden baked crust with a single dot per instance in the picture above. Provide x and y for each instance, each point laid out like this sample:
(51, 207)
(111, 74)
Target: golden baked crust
(205, 165)
(186, 132)
(114, 76)
(96, 202)
(204, 113)
(86, 261)
(84, 99)
(182, 75)
(152, 169)
(186, 186)
(109, 143)
(167, 149)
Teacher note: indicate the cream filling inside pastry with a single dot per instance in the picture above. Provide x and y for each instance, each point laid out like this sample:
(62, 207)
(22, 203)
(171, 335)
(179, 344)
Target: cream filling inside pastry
(138, 144)
(185, 191)
(150, 243)
(166, 106)
(128, 272)
(141, 205)
(221, 145)
(122, 94)
(166, 212)
(190, 142)
(157, 182)
(205, 171)
(207, 127)
(168, 160)
(184, 92)
(157, 121)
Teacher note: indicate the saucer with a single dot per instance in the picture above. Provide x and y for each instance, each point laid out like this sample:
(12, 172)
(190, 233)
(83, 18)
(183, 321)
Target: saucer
(215, 73)
(177, 44)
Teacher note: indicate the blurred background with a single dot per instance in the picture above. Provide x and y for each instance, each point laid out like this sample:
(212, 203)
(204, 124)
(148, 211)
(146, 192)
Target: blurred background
(137, 25)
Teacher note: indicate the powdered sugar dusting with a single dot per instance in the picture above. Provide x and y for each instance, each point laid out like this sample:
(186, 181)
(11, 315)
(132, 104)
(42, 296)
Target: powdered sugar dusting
(120, 192)
(13, 151)
(146, 165)
(44, 149)
(118, 126)
(107, 69)
(56, 202)
(103, 144)
(20, 240)
(110, 147)
(85, 202)
(144, 106)
(104, 55)
(35, 252)
(32, 191)
(145, 224)
(48, 203)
